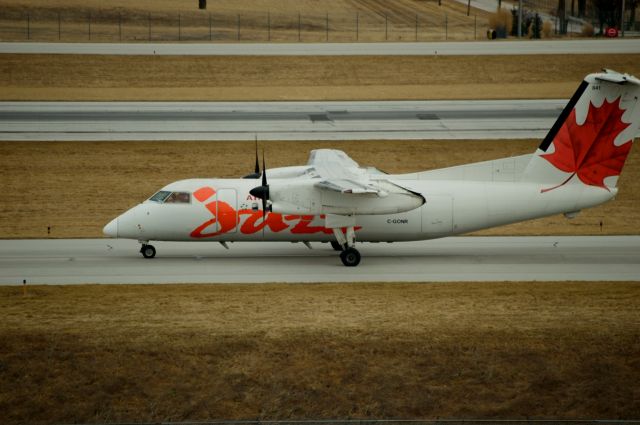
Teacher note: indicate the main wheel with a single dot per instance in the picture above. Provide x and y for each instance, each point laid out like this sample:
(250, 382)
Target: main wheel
(336, 246)
(148, 251)
(350, 257)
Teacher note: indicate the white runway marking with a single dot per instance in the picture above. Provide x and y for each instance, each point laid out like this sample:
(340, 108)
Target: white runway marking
(497, 47)
(548, 258)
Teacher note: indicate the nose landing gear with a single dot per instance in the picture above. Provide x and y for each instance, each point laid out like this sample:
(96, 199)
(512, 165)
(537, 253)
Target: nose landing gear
(147, 251)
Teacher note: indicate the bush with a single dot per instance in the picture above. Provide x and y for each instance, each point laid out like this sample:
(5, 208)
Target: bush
(547, 29)
(501, 22)
(587, 30)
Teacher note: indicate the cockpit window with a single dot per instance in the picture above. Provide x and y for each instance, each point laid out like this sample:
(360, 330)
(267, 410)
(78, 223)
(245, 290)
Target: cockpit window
(178, 198)
(160, 196)
(166, 197)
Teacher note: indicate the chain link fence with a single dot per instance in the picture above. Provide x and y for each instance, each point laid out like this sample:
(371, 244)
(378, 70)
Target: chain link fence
(202, 26)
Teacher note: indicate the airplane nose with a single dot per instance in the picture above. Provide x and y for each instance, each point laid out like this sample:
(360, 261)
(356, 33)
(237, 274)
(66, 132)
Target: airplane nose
(111, 229)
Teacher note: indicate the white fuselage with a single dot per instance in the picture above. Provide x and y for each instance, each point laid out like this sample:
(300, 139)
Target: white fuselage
(452, 207)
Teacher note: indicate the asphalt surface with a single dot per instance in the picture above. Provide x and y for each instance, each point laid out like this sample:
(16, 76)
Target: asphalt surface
(548, 258)
(277, 120)
(497, 47)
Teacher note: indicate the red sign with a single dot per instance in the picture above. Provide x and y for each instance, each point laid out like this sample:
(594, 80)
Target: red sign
(611, 32)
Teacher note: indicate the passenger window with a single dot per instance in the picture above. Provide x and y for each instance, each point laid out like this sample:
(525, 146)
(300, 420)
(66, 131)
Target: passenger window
(160, 196)
(178, 198)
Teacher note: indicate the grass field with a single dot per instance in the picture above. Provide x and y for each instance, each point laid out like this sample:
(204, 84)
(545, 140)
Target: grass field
(239, 20)
(76, 188)
(194, 352)
(97, 77)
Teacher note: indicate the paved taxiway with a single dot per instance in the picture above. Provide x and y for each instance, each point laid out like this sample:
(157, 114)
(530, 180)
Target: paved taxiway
(553, 258)
(277, 120)
(557, 47)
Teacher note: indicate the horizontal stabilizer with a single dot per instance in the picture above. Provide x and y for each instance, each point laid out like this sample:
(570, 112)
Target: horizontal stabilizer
(617, 78)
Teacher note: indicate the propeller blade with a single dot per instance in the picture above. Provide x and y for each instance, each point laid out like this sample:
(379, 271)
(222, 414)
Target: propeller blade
(257, 168)
(264, 171)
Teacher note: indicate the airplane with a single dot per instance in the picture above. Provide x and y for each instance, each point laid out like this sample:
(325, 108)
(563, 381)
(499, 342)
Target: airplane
(333, 199)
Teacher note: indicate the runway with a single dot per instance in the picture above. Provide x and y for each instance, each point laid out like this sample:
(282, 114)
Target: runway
(497, 47)
(95, 121)
(548, 258)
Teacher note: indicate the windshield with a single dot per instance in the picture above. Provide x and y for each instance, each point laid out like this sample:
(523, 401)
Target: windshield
(160, 196)
(167, 197)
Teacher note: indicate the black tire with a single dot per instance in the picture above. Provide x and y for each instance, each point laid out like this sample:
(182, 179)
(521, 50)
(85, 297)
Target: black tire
(336, 246)
(350, 257)
(148, 251)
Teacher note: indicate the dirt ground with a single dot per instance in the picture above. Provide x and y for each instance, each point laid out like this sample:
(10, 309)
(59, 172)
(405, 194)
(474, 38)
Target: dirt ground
(164, 78)
(126, 353)
(239, 21)
(75, 188)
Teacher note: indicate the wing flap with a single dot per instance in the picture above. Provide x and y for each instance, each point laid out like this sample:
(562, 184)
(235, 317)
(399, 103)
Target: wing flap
(349, 186)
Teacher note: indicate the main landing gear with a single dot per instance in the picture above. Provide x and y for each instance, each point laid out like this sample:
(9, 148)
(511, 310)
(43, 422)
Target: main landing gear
(350, 257)
(147, 251)
(346, 242)
(336, 246)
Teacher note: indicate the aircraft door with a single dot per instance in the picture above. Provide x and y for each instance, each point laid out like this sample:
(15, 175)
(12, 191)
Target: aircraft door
(227, 210)
(437, 215)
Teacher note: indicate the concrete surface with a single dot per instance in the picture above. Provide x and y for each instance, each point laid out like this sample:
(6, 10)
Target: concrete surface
(549, 258)
(277, 120)
(496, 47)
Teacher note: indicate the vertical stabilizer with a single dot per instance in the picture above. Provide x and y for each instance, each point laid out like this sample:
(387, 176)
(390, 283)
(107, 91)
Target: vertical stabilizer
(592, 137)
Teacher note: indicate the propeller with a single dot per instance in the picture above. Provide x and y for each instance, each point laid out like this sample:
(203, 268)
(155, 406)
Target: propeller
(256, 172)
(262, 191)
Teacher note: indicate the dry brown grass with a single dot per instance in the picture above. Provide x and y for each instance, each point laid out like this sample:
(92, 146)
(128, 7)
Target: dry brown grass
(76, 188)
(254, 16)
(97, 77)
(196, 352)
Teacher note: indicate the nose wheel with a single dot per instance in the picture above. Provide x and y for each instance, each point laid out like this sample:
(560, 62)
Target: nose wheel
(147, 251)
(350, 257)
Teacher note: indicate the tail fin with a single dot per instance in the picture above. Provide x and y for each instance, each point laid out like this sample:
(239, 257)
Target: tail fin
(593, 135)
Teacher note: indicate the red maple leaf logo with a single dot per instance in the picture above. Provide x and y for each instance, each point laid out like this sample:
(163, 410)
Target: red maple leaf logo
(587, 150)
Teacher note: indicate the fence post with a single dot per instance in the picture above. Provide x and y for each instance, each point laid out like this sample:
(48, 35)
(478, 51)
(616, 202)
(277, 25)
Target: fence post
(120, 26)
(327, 27)
(468, 7)
(59, 26)
(386, 27)
(238, 27)
(179, 28)
(298, 26)
(621, 20)
(357, 25)
(210, 35)
(446, 27)
(268, 26)
(89, 25)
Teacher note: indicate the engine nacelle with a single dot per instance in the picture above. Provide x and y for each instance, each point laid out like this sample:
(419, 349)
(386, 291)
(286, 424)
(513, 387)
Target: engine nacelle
(304, 198)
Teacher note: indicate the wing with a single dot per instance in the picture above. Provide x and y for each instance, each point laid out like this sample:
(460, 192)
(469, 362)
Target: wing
(337, 172)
